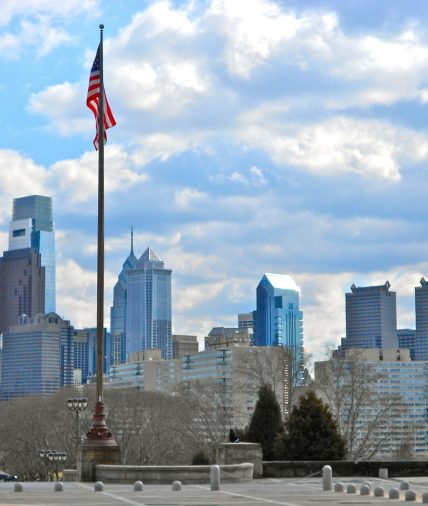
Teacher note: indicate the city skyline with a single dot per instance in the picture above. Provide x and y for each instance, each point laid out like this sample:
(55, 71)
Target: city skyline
(252, 137)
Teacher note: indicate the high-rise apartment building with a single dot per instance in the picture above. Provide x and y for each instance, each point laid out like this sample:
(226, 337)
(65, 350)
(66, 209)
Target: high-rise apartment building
(279, 321)
(118, 310)
(148, 308)
(22, 286)
(371, 317)
(37, 356)
(421, 312)
(32, 227)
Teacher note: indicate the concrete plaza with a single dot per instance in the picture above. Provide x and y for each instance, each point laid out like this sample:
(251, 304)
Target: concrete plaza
(285, 492)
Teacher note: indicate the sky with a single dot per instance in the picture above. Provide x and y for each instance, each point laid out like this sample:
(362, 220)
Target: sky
(252, 136)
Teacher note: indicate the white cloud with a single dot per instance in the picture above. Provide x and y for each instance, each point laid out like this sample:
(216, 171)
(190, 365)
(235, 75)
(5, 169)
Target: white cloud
(58, 104)
(78, 178)
(19, 176)
(371, 148)
(253, 31)
(51, 8)
(40, 24)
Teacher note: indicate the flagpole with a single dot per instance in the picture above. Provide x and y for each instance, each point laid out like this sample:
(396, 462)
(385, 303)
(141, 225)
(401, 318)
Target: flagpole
(100, 255)
(99, 446)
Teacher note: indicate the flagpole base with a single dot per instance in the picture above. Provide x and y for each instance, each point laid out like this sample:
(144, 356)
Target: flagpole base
(99, 447)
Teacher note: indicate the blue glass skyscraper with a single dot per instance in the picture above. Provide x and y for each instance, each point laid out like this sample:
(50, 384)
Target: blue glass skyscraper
(32, 227)
(118, 310)
(279, 321)
(148, 308)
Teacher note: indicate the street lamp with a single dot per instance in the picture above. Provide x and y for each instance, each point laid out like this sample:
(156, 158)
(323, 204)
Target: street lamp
(53, 458)
(77, 405)
(56, 458)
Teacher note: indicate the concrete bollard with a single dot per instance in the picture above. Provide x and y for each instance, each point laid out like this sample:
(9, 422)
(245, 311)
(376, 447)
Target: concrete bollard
(338, 487)
(425, 498)
(59, 486)
(176, 486)
(394, 493)
(215, 477)
(138, 486)
(99, 486)
(364, 490)
(351, 489)
(378, 492)
(327, 478)
(410, 495)
(367, 483)
(404, 485)
(383, 473)
(18, 487)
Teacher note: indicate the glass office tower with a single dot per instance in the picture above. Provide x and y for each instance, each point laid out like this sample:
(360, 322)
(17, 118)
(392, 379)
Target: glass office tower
(32, 227)
(279, 321)
(148, 309)
(118, 310)
(371, 317)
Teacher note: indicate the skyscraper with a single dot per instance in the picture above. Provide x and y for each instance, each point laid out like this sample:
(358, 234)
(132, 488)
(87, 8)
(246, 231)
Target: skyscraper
(118, 309)
(279, 321)
(371, 317)
(148, 308)
(37, 356)
(32, 227)
(22, 286)
(421, 313)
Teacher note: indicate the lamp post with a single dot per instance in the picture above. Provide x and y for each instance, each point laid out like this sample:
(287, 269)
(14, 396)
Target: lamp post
(77, 405)
(53, 458)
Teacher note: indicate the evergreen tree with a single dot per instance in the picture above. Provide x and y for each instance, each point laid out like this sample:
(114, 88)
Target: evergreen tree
(311, 433)
(266, 422)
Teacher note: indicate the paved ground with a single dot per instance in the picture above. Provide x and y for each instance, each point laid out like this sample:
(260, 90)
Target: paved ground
(286, 492)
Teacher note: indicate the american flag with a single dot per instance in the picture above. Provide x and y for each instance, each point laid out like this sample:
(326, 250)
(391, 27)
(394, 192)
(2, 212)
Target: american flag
(94, 96)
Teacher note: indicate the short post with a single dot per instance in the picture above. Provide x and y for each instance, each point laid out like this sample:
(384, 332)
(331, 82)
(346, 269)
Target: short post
(327, 478)
(215, 477)
(383, 473)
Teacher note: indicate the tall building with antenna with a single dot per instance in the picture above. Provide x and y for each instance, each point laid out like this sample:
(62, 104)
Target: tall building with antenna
(118, 309)
(148, 307)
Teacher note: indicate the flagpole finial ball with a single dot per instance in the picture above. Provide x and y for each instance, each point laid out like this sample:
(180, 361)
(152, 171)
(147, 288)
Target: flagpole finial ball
(101, 27)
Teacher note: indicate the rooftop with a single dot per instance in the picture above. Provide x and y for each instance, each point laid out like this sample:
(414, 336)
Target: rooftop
(282, 281)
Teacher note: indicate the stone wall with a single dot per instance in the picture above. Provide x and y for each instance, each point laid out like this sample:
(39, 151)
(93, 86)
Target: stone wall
(237, 473)
(300, 469)
(239, 453)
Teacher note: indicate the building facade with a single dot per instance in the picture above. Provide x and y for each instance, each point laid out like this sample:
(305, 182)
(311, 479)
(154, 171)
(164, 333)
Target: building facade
(184, 345)
(118, 310)
(225, 337)
(146, 370)
(371, 317)
(421, 313)
(32, 227)
(247, 320)
(391, 417)
(406, 339)
(22, 286)
(37, 356)
(279, 321)
(148, 309)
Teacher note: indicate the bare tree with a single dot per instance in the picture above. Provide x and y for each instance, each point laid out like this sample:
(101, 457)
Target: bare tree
(367, 415)
(278, 366)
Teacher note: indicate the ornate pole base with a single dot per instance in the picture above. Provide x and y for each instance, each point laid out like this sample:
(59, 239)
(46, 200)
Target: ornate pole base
(99, 447)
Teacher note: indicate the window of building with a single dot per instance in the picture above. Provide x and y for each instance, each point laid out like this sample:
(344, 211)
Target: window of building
(278, 301)
(19, 233)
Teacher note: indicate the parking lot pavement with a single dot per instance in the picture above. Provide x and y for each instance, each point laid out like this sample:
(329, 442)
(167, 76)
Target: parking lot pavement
(285, 492)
